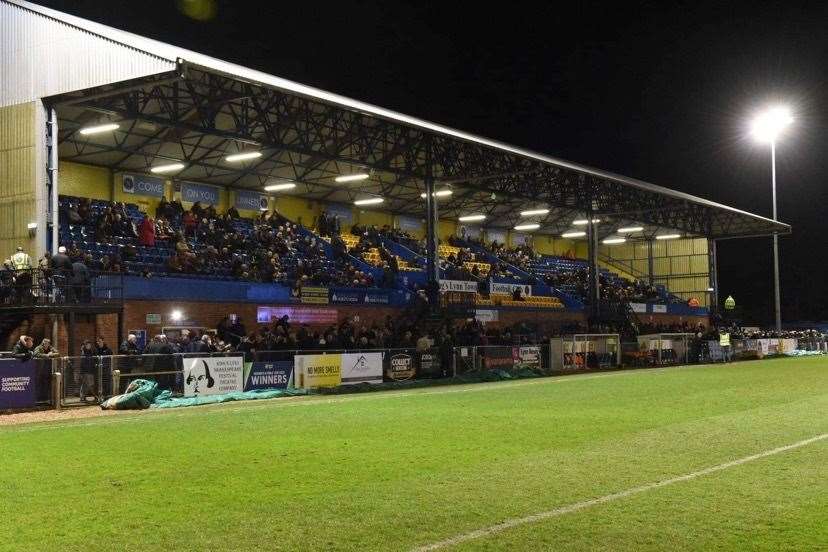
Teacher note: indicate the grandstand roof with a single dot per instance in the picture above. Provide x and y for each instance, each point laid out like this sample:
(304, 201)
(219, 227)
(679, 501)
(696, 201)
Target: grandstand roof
(206, 108)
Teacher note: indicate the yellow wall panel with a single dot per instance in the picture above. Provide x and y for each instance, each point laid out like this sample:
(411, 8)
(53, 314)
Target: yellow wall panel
(370, 217)
(18, 192)
(80, 180)
(300, 210)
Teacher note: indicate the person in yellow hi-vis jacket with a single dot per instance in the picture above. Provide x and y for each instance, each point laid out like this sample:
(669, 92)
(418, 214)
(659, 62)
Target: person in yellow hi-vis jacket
(21, 260)
(724, 343)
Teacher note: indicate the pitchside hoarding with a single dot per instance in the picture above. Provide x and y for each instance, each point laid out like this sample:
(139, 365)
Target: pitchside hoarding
(17, 384)
(213, 376)
(268, 375)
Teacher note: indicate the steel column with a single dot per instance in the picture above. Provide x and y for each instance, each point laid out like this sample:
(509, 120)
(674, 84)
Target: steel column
(594, 281)
(777, 301)
(713, 268)
(52, 168)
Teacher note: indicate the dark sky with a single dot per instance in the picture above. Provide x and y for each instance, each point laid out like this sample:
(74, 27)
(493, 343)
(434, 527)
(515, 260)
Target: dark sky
(661, 93)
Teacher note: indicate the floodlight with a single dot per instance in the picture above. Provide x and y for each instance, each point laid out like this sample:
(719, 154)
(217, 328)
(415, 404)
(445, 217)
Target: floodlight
(769, 124)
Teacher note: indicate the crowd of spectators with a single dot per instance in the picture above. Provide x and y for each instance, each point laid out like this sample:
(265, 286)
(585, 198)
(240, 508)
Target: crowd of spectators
(270, 249)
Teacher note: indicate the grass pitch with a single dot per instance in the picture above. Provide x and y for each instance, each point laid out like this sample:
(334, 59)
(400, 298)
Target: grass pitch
(399, 470)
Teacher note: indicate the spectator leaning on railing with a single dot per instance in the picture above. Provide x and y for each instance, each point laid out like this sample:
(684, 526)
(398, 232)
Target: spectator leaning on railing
(45, 350)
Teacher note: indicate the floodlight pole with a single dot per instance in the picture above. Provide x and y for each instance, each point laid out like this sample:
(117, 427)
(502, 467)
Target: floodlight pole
(776, 293)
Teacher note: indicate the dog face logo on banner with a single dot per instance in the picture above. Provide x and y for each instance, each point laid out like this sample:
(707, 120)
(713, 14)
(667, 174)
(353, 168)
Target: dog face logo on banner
(200, 379)
(129, 184)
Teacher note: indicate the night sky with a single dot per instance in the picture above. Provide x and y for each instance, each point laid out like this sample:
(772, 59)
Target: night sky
(660, 93)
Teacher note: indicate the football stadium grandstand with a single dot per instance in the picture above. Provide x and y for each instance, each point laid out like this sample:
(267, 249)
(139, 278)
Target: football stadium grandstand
(176, 230)
(182, 190)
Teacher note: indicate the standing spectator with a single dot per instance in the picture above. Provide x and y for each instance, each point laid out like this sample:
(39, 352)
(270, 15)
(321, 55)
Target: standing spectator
(130, 346)
(146, 232)
(84, 377)
(21, 260)
(81, 281)
(101, 348)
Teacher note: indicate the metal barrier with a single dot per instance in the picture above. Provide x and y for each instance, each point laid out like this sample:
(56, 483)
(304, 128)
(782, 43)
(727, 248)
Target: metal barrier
(38, 287)
(66, 381)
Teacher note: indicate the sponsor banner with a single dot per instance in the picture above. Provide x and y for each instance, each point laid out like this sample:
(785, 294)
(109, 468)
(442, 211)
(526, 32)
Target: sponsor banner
(153, 319)
(139, 184)
(268, 375)
(430, 365)
(344, 212)
(659, 308)
(17, 384)
(299, 315)
(469, 232)
(509, 289)
(192, 193)
(361, 368)
(787, 345)
(458, 285)
(400, 367)
(250, 201)
(410, 223)
(497, 357)
(498, 236)
(313, 295)
(346, 297)
(521, 239)
(638, 307)
(526, 357)
(318, 370)
(486, 315)
(213, 375)
(377, 298)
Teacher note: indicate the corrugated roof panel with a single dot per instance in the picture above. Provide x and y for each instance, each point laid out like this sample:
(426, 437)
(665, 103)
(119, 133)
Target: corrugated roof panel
(41, 56)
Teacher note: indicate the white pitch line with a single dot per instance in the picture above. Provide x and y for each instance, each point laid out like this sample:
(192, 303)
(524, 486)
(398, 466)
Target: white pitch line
(534, 518)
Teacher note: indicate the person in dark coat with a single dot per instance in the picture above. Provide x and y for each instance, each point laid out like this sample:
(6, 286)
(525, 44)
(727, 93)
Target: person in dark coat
(101, 348)
(80, 281)
(130, 346)
(23, 348)
(61, 269)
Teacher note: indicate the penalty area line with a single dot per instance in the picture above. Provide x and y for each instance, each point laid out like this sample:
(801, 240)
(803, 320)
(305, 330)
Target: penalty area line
(577, 506)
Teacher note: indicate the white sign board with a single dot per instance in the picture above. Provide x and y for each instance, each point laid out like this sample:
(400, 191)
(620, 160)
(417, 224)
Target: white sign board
(486, 315)
(659, 308)
(638, 307)
(361, 368)
(458, 285)
(509, 289)
(213, 376)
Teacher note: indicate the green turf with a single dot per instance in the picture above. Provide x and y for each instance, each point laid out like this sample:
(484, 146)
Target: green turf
(391, 471)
